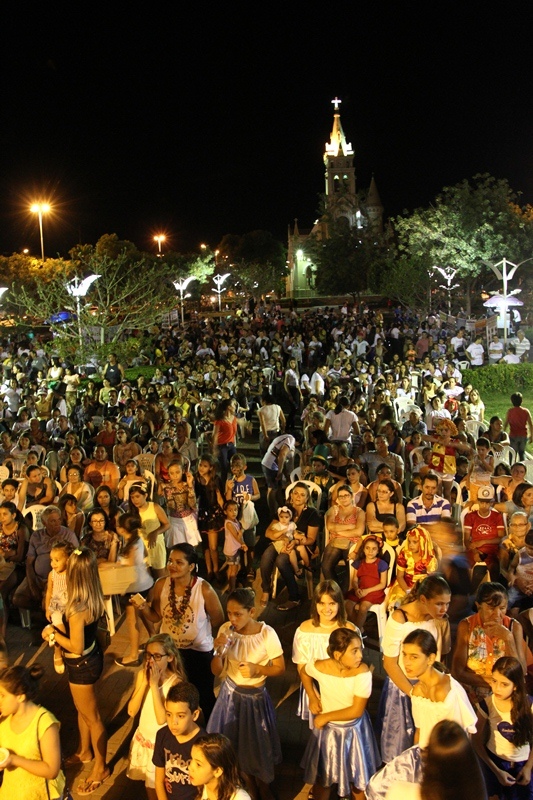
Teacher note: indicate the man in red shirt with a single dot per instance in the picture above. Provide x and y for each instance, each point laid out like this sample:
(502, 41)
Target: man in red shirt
(483, 531)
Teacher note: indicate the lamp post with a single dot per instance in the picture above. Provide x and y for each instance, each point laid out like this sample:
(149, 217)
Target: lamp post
(181, 286)
(160, 238)
(219, 280)
(448, 273)
(79, 289)
(40, 209)
(505, 277)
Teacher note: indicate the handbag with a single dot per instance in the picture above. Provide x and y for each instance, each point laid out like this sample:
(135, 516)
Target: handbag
(65, 794)
(103, 636)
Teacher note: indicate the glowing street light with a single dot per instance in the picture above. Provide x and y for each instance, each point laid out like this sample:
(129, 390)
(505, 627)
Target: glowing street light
(505, 277)
(160, 238)
(79, 289)
(40, 209)
(181, 287)
(448, 273)
(219, 280)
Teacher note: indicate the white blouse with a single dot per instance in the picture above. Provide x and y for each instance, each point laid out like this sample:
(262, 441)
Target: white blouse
(258, 648)
(336, 692)
(456, 706)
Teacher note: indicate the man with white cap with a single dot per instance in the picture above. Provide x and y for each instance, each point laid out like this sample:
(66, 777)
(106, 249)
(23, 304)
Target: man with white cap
(414, 424)
(483, 531)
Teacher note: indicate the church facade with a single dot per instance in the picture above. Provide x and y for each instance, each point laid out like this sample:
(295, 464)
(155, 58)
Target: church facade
(341, 202)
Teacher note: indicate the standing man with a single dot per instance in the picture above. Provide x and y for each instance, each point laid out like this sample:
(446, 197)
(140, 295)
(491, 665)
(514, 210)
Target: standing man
(113, 371)
(475, 352)
(277, 464)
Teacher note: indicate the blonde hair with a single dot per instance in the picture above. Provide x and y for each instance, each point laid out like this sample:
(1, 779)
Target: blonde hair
(84, 589)
(171, 649)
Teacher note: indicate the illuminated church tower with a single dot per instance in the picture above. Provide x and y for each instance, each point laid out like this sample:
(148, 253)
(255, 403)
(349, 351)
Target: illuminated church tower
(340, 203)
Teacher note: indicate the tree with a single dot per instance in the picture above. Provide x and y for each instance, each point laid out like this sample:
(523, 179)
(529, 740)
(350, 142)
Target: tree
(257, 260)
(469, 223)
(130, 294)
(346, 259)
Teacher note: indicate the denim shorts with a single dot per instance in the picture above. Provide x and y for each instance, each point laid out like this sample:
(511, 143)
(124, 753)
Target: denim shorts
(86, 669)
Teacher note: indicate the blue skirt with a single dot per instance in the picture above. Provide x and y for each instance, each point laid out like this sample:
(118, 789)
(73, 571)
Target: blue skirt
(405, 767)
(245, 715)
(343, 753)
(394, 725)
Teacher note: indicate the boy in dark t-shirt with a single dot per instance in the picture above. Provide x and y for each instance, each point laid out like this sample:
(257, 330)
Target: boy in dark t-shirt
(173, 744)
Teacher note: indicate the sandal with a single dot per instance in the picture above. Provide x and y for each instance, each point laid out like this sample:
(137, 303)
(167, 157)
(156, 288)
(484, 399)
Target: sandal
(289, 605)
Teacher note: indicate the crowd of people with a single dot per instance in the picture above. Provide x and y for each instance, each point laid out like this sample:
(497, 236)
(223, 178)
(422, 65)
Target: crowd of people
(385, 489)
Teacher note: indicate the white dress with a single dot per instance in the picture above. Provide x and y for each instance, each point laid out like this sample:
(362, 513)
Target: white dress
(140, 766)
(308, 646)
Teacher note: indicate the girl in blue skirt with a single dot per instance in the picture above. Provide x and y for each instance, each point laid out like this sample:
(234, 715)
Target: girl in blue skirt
(244, 711)
(342, 748)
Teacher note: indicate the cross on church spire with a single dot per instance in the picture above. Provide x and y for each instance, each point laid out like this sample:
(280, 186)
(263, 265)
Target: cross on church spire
(336, 103)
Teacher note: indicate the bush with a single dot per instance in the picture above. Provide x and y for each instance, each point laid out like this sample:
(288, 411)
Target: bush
(504, 378)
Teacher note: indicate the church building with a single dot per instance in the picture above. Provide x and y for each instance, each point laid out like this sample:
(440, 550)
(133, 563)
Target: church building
(341, 203)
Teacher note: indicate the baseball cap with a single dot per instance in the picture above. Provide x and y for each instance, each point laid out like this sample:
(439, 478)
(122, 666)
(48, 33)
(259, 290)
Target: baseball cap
(485, 493)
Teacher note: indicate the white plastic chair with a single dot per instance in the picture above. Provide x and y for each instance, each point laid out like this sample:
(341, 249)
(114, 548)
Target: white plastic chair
(472, 426)
(507, 454)
(35, 512)
(314, 489)
(403, 407)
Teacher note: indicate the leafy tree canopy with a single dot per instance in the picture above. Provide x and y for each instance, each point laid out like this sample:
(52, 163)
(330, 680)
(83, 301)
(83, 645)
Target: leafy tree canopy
(257, 259)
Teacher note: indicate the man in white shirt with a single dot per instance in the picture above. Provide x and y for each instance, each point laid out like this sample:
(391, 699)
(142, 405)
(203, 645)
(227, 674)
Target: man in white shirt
(495, 349)
(521, 345)
(316, 384)
(475, 352)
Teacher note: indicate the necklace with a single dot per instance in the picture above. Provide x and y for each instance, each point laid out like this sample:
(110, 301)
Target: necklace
(329, 627)
(178, 608)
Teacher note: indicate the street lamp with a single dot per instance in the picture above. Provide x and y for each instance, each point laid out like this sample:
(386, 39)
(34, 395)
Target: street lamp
(160, 238)
(40, 209)
(505, 277)
(79, 289)
(448, 273)
(219, 280)
(181, 286)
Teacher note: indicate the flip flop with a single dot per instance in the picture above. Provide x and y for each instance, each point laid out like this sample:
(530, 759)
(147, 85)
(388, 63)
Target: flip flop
(74, 760)
(89, 786)
(122, 663)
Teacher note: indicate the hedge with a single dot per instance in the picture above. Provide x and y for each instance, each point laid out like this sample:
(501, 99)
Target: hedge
(505, 378)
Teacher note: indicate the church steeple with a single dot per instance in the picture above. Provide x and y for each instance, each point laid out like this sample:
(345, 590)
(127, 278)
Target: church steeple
(338, 159)
(374, 207)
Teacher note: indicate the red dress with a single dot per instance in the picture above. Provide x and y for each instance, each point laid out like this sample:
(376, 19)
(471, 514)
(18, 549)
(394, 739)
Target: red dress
(369, 575)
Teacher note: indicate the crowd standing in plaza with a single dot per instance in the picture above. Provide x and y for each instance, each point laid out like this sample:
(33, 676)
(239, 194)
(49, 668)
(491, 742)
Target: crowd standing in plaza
(387, 491)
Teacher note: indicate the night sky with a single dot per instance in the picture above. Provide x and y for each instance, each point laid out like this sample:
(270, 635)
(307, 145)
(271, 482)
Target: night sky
(207, 120)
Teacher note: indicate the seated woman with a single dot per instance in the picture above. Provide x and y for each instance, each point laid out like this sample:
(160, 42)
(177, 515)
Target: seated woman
(386, 505)
(75, 485)
(71, 517)
(99, 538)
(307, 524)
(484, 637)
(346, 525)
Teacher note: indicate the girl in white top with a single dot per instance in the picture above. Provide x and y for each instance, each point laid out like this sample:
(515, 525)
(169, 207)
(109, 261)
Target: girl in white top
(311, 641)
(435, 697)
(162, 668)
(342, 748)
(244, 710)
(213, 768)
(133, 555)
(426, 609)
(505, 737)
